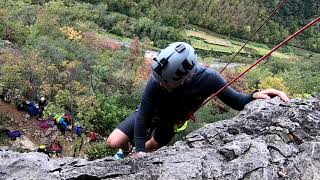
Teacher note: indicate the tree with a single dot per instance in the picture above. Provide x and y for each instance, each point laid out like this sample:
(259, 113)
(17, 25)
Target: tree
(273, 82)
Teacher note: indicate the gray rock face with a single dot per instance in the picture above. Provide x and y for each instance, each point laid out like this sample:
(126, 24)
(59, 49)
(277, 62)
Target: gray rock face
(270, 139)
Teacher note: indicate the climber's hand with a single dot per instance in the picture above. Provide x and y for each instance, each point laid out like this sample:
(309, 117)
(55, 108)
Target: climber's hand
(138, 154)
(269, 93)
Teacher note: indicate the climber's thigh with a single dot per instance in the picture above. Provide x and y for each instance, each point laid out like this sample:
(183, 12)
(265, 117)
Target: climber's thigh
(163, 134)
(127, 126)
(120, 137)
(117, 139)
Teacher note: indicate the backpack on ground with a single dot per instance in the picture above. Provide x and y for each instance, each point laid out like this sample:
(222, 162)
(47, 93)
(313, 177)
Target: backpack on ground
(14, 134)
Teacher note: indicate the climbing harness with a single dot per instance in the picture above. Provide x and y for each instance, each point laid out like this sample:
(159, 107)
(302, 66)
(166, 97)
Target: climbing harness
(179, 128)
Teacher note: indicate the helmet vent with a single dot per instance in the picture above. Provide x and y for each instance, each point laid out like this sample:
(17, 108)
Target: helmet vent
(187, 66)
(180, 48)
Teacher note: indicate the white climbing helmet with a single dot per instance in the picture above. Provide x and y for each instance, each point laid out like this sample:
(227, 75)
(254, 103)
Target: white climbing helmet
(174, 63)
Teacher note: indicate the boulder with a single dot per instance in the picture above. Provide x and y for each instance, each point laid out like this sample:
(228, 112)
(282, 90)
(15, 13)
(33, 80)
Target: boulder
(23, 144)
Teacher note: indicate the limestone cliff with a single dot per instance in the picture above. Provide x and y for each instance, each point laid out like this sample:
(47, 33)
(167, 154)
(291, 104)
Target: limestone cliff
(270, 139)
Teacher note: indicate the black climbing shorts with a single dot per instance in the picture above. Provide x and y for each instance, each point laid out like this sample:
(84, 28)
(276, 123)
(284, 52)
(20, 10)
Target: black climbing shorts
(161, 131)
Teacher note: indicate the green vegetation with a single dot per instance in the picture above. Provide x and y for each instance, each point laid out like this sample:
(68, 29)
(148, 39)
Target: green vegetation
(3, 137)
(98, 151)
(240, 18)
(299, 78)
(3, 119)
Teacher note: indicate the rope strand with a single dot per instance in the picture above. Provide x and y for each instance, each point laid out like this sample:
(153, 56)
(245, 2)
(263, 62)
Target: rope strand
(273, 12)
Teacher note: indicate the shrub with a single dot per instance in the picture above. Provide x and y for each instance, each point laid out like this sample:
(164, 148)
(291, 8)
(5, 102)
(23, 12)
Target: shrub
(3, 119)
(98, 151)
(300, 82)
(88, 108)
(255, 76)
(273, 82)
(110, 20)
(111, 112)
(53, 108)
(3, 137)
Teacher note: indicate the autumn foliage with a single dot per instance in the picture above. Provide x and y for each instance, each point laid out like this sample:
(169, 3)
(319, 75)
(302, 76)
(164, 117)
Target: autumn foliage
(71, 33)
(101, 43)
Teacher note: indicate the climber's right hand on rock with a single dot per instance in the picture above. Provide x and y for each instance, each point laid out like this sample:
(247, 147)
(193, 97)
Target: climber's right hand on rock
(269, 93)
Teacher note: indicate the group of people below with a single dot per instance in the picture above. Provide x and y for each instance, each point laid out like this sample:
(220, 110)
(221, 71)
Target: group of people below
(64, 122)
(34, 109)
(177, 87)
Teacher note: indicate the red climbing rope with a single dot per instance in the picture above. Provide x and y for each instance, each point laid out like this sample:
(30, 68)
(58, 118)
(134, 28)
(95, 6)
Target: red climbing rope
(261, 59)
(273, 12)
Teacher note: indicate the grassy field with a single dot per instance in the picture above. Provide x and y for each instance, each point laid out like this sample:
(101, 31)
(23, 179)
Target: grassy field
(218, 45)
(205, 41)
(126, 40)
(199, 44)
(209, 38)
